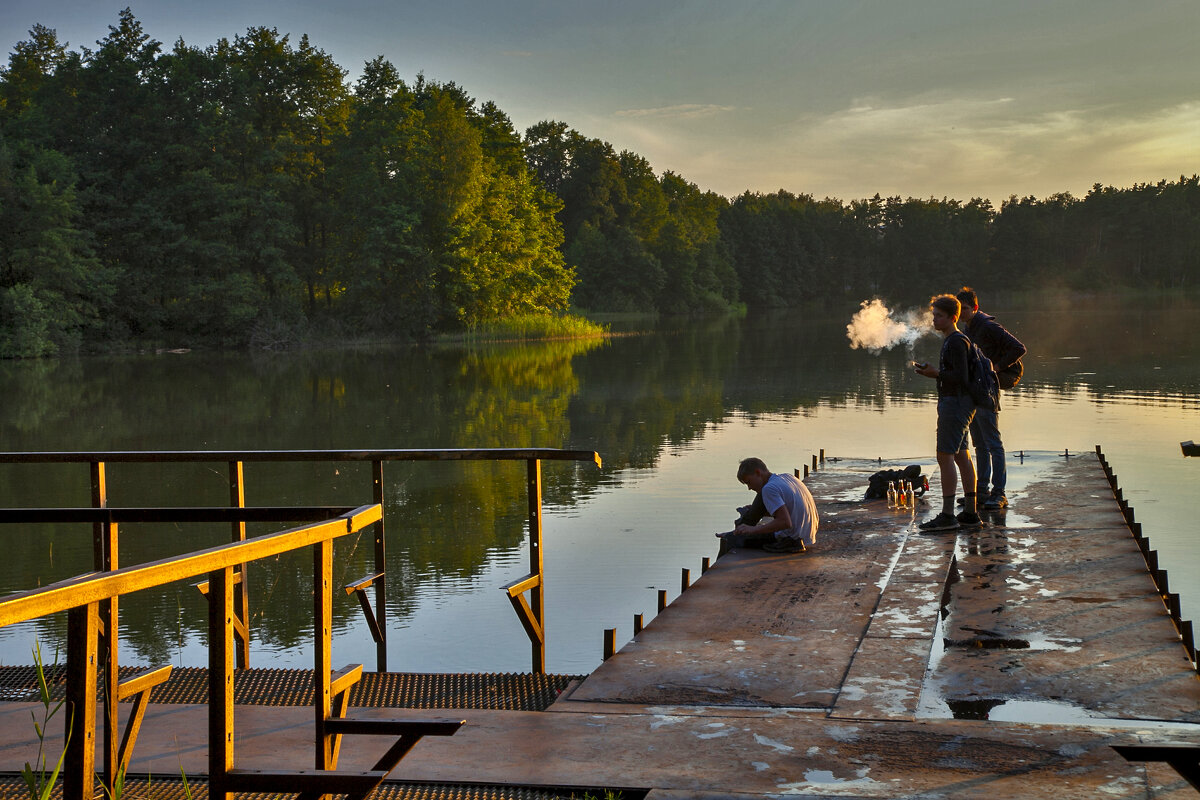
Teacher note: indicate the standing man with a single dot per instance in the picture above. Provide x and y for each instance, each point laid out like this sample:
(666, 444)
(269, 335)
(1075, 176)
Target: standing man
(793, 524)
(1005, 351)
(955, 410)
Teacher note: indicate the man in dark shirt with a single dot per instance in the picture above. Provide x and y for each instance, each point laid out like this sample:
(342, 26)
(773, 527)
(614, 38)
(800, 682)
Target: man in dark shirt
(1005, 352)
(955, 411)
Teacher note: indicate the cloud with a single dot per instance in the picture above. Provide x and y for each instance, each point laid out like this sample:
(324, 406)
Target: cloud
(681, 111)
(966, 147)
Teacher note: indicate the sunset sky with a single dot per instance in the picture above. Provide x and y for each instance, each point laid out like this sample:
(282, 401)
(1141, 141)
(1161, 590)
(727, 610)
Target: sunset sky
(845, 99)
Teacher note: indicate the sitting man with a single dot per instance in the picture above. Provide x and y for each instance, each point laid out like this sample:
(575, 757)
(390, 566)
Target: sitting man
(793, 512)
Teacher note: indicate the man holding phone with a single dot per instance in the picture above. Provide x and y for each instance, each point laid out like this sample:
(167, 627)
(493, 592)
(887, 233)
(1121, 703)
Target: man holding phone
(955, 411)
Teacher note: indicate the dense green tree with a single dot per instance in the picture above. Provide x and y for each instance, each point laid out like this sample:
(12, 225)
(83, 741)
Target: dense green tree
(494, 231)
(384, 267)
(617, 272)
(243, 193)
(52, 288)
(33, 61)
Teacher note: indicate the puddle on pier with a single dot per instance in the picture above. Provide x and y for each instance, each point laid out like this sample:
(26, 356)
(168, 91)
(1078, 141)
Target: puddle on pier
(1051, 712)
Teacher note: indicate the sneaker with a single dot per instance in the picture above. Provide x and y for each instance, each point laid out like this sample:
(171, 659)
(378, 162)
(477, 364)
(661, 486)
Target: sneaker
(969, 519)
(996, 501)
(942, 522)
(784, 546)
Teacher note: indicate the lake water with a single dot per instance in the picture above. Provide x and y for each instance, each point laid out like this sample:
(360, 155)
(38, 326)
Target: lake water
(670, 406)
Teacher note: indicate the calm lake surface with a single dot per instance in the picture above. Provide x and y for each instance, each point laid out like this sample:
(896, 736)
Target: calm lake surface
(670, 406)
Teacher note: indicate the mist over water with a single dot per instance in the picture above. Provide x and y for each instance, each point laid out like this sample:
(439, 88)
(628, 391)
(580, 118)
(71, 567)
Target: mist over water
(875, 327)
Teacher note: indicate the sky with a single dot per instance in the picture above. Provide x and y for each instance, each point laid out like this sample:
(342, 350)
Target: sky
(832, 98)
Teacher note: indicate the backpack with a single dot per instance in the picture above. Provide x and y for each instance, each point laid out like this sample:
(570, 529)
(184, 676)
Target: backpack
(982, 384)
(1010, 376)
(878, 483)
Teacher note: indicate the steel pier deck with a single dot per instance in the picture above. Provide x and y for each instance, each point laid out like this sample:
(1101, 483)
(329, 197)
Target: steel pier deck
(1000, 663)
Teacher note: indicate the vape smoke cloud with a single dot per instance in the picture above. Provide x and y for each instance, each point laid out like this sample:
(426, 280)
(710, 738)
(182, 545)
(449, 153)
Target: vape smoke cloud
(876, 328)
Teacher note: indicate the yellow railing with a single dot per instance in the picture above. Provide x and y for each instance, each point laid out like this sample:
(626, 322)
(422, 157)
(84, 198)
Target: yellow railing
(87, 599)
(91, 602)
(531, 612)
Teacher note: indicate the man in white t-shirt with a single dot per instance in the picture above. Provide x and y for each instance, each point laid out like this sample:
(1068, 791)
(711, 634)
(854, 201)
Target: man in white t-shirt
(793, 523)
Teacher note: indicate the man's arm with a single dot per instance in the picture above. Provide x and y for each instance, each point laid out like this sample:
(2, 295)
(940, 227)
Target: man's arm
(1008, 348)
(781, 520)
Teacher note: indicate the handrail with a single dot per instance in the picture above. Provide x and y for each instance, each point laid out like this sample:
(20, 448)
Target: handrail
(531, 613)
(83, 596)
(96, 586)
(209, 514)
(186, 456)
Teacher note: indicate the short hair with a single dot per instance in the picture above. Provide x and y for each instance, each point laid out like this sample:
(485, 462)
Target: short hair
(966, 295)
(749, 465)
(947, 303)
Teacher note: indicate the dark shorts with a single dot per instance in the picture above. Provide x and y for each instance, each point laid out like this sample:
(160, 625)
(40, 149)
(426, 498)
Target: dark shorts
(954, 420)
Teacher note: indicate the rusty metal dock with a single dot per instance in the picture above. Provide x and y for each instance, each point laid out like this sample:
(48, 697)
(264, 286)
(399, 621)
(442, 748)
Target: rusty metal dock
(1001, 662)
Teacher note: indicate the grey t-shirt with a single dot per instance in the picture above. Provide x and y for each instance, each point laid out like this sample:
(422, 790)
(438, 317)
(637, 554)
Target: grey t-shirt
(783, 489)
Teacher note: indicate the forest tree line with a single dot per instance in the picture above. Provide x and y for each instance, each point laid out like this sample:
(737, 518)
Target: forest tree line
(245, 193)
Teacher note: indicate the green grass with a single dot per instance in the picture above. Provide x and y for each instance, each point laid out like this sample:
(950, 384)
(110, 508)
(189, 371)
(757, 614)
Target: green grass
(527, 327)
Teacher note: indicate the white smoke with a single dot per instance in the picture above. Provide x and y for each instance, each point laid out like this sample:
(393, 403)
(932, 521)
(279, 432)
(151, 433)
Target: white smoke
(874, 327)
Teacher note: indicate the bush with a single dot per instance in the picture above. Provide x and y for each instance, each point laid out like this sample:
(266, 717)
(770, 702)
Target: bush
(24, 324)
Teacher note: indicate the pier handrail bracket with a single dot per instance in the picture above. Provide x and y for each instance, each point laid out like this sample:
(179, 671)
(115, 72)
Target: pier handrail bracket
(516, 595)
(139, 687)
(359, 588)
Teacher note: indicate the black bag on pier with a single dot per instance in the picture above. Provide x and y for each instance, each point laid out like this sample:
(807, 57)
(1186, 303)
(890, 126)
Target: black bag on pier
(878, 483)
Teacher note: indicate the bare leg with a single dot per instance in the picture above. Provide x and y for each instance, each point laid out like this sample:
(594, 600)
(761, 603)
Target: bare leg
(966, 468)
(949, 474)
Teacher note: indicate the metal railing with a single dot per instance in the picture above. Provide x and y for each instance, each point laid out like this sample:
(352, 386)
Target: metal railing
(88, 599)
(531, 611)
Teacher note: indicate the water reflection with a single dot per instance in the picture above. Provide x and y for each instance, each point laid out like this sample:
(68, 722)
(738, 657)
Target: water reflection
(669, 409)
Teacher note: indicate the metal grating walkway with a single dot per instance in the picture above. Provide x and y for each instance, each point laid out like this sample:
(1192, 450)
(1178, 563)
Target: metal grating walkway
(511, 691)
(13, 787)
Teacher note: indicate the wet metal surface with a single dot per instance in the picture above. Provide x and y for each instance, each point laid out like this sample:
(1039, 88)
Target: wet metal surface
(995, 663)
